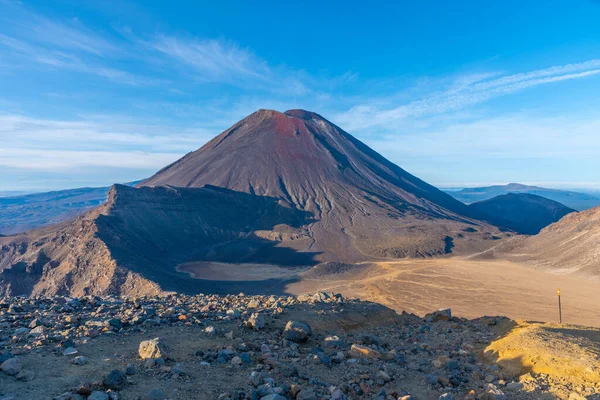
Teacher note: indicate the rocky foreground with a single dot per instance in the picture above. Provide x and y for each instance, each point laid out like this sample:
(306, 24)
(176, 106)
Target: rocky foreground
(259, 347)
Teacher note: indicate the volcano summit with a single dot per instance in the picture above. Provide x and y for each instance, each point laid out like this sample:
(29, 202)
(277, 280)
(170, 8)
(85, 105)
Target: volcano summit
(364, 205)
(287, 188)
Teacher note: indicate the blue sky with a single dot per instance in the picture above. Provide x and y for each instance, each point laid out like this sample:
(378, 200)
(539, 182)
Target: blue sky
(458, 93)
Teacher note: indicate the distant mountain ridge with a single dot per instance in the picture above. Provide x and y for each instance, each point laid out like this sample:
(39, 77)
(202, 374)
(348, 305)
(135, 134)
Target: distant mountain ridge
(521, 212)
(30, 211)
(572, 199)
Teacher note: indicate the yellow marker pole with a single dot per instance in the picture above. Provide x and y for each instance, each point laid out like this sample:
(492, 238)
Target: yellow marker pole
(559, 307)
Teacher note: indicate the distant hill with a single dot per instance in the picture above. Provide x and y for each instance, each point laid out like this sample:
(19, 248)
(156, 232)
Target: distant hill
(575, 200)
(521, 212)
(22, 213)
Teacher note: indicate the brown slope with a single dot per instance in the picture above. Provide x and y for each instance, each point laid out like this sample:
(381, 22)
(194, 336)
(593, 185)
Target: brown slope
(366, 207)
(569, 245)
(67, 259)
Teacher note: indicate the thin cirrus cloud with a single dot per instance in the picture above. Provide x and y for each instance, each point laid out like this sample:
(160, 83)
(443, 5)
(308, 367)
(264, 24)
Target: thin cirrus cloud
(69, 44)
(30, 143)
(214, 60)
(470, 92)
(68, 35)
(537, 137)
(223, 61)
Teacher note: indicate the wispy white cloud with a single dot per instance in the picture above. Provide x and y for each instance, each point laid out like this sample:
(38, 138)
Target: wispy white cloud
(61, 160)
(506, 137)
(53, 144)
(511, 148)
(74, 62)
(461, 94)
(215, 60)
(225, 62)
(122, 57)
(68, 34)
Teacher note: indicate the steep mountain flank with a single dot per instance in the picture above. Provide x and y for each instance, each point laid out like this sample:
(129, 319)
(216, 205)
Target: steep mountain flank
(365, 206)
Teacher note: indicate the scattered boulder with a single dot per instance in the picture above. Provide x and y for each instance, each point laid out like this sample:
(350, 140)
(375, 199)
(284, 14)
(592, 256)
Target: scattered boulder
(493, 393)
(358, 350)
(439, 315)
(255, 322)
(11, 367)
(116, 380)
(153, 348)
(70, 351)
(25, 375)
(210, 331)
(306, 394)
(96, 395)
(297, 331)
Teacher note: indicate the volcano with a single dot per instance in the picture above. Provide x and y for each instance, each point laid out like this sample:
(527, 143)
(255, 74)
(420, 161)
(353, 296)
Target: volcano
(290, 189)
(364, 205)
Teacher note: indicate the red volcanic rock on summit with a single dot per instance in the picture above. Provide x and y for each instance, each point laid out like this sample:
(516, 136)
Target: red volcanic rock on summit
(364, 205)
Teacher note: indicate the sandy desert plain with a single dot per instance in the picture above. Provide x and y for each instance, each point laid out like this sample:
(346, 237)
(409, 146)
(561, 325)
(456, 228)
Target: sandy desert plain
(470, 286)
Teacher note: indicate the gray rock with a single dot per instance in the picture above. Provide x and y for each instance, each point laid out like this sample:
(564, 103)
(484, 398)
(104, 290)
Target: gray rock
(306, 394)
(439, 315)
(245, 357)
(96, 395)
(116, 380)
(12, 366)
(431, 379)
(25, 375)
(515, 386)
(180, 369)
(21, 331)
(333, 341)
(297, 331)
(70, 351)
(337, 394)
(324, 359)
(80, 360)
(130, 370)
(115, 323)
(453, 364)
(37, 331)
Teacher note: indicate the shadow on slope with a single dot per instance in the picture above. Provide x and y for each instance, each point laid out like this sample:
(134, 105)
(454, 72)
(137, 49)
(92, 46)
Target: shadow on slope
(151, 230)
